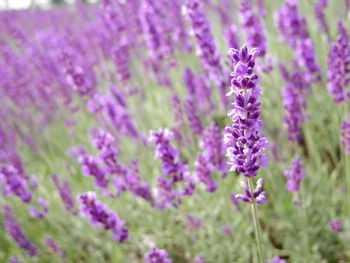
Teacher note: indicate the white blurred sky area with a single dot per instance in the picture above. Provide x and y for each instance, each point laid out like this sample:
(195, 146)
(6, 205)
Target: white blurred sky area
(22, 4)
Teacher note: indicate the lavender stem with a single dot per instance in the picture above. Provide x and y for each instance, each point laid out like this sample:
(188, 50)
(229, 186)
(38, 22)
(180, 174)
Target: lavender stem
(256, 222)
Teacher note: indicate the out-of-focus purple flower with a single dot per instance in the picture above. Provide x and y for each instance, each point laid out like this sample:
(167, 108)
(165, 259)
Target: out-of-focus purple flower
(194, 121)
(212, 144)
(276, 259)
(227, 230)
(193, 223)
(203, 170)
(339, 66)
(199, 259)
(100, 215)
(259, 194)
(42, 211)
(174, 171)
(15, 231)
(345, 135)
(294, 101)
(14, 260)
(157, 256)
(335, 225)
(253, 27)
(90, 167)
(231, 37)
(319, 7)
(234, 201)
(12, 182)
(293, 30)
(64, 191)
(243, 139)
(53, 247)
(206, 48)
(294, 175)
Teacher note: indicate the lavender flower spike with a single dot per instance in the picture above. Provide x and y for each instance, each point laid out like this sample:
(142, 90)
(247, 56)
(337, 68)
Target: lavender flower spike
(338, 66)
(157, 256)
(100, 215)
(294, 175)
(242, 139)
(276, 259)
(15, 231)
(345, 135)
(259, 195)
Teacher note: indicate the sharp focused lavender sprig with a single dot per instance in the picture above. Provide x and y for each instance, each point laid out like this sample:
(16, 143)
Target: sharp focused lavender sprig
(339, 66)
(243, 139)
(15, 231)
(100, 215)
(157, 256)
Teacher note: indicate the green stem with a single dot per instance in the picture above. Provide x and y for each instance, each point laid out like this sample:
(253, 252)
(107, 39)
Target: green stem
(256, 222)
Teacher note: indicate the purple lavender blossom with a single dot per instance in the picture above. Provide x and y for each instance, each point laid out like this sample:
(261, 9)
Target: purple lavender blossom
(294, 175)
(338, 66)
(15, 231)
(294, 101)
(100, 215)
(53, 247)
(335, 225)
(212, 145)
(293, 30)
(64, 191)
(259, 194)
(242, 139)
(39, 212)
(231, 37)
(276, 259)
(12, 182)
(319, 7)
(206, 48)
(14, 260)
(253, 27)
(199, 259)
(345, 135)
(202, 171)
(90, 167)
(157, 256)
(227, 230)
(192, 116)
(193, 223)
(235, 202)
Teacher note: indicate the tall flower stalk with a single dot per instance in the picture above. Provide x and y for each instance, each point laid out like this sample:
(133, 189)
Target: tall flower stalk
(243, 139)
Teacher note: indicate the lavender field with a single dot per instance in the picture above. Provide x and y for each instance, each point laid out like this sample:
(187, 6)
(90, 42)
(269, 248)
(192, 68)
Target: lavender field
(185, 131)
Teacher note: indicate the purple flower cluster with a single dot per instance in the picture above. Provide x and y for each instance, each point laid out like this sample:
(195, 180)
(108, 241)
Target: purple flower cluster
(157, 256)
(199, 259)
(295, 174)
(206, 48)
(100, 215)
(335, 225)
(345, 135)
(39, 212)
(319, 7)
(294, 101)
(12, 182)
(253, 27)
(243, 140)
(276, 259)
(339, 66)
(293, 30)
(173, 171)
(15, 231)
(192, 116)
(14, 260)
(64, 191)
(53, 247)
(259, 194)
